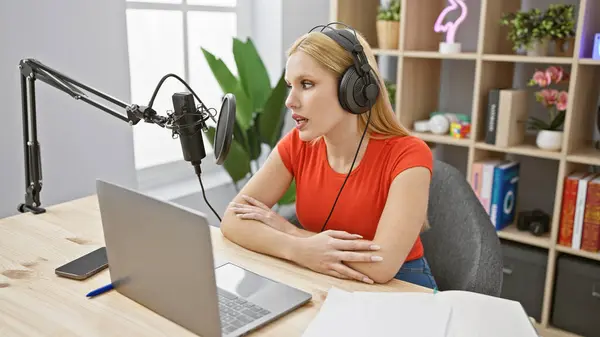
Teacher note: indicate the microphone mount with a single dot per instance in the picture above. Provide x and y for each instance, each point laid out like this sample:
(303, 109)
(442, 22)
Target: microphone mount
(32, 70)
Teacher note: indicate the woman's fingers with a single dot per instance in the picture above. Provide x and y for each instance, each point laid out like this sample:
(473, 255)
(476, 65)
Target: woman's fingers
(255, 202)
(343, 235)
(252, 216)
(351, 273)
(338, 275)
(357, 257)
(354, 245)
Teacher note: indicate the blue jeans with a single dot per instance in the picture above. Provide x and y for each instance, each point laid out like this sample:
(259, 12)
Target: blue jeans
(417, 272)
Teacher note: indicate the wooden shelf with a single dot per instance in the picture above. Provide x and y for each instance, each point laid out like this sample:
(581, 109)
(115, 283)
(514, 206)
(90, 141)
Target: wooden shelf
(436, 55)
(588, 156)
(513, 234)
(391, 52)
(527, 59)
(442, 139)
(578, 252)
(425, 84)
(523, 149)
(589, 61)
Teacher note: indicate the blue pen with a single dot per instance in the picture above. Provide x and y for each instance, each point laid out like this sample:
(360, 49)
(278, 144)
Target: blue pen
(99, 291)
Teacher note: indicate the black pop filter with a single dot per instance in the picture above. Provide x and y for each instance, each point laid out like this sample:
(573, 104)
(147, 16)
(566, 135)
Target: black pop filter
(224, 131)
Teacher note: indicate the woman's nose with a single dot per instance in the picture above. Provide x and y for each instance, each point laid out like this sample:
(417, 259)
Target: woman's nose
(291, 102)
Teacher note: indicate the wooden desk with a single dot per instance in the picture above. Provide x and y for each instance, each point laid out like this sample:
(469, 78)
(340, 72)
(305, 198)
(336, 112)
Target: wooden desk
(36, 302)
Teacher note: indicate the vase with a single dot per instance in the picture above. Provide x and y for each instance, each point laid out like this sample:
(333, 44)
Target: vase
(564, 47)
(550, 140)
(539, 48)
(388, 34)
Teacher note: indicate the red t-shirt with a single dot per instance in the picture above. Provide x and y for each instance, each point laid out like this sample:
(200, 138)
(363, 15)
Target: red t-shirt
(364, 196)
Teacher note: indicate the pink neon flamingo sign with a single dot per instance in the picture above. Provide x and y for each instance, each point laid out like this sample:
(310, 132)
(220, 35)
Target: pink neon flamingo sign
(450, 27)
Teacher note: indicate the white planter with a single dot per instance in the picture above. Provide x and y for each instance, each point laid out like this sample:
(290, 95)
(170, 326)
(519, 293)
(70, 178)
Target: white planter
(549, 140)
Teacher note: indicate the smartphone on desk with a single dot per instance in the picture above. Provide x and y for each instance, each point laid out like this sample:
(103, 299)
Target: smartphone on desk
(85, 266)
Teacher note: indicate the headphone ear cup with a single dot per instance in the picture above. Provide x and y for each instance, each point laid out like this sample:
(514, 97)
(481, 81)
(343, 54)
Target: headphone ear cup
(351, 86)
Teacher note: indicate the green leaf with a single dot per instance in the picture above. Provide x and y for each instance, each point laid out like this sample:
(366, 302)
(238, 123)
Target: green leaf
(271, 119)
(240, 136)
(230, 84)
(290, 195)
(253, 142)
(558, 120)
(237, 163)
(252, 71)
(223, 75)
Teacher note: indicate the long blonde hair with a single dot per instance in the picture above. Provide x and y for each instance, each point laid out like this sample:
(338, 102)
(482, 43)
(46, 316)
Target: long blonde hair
(335, 58)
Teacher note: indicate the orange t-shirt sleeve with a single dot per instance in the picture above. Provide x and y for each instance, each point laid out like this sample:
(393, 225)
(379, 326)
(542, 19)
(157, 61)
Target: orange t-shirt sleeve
(413, 152)
(288, 147)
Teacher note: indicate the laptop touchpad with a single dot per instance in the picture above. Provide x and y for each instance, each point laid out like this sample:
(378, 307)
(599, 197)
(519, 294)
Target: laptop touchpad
(240, 281)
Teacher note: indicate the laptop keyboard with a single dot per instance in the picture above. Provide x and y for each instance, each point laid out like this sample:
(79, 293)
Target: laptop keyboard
(237, 312)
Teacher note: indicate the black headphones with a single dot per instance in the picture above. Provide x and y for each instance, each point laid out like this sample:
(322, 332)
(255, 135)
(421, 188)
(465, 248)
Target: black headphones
(358, 88)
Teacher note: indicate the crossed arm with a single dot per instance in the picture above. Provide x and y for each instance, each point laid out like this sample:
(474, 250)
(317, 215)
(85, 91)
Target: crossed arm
(400, 224)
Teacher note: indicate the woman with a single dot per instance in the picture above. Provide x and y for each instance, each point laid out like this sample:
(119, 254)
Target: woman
(373, 233)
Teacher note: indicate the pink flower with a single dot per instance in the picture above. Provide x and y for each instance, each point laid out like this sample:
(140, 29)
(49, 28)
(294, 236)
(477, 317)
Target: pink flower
(562, 100)
(541, 78)
(555, 74)
(548, 97)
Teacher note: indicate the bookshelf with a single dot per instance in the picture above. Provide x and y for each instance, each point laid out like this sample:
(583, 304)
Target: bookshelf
(418, 80)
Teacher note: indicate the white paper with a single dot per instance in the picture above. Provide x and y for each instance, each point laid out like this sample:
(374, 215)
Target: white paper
(475, 315)
(445, 314)
(402, 314)
(335, 318)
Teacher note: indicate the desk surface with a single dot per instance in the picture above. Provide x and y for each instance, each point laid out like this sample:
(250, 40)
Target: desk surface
(36, 302)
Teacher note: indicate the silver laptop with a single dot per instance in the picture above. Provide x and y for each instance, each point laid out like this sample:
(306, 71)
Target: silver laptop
(160, 255)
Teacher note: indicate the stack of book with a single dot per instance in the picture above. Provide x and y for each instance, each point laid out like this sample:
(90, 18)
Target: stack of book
(579, 226)
(495, 183)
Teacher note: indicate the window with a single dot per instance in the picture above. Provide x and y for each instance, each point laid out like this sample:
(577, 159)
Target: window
(166, 36)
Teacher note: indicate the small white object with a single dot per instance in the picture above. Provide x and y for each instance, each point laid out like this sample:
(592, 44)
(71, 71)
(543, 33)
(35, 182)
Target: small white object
(422, 126)
(549, 140)
(450, 48)
(439, 125)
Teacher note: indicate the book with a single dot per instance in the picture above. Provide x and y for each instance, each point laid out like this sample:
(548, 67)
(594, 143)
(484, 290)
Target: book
(512, 112)
(451, 313)
(580, 210)
(487, 182)
(504, 194)
(475, 181)
(567, 213)
(590, 236)
(492, 115)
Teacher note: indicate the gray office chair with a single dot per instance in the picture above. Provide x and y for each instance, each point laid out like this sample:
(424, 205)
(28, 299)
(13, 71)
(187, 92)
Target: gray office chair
(462, 247)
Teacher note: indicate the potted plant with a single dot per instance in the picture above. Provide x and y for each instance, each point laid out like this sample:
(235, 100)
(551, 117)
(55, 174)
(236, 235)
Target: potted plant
(388, 24)
(526, 32)
(559, 23)
(260, 111)
(550, 134)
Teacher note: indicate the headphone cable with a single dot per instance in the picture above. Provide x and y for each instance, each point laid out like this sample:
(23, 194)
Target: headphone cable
(349, 172)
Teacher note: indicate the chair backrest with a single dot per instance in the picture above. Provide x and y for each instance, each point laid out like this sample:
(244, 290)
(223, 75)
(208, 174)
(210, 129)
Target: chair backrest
(461, 246)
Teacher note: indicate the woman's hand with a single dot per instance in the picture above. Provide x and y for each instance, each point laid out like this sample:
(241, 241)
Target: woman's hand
(261, 212)
(327, 251)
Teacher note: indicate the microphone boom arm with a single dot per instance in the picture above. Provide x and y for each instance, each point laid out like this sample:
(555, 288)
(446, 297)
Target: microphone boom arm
(32, 70)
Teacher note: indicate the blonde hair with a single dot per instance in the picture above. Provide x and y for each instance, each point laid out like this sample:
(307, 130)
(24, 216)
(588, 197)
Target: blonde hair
(335, 58)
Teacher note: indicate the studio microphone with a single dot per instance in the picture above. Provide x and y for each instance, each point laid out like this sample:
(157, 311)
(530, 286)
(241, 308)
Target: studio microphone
(189, 122)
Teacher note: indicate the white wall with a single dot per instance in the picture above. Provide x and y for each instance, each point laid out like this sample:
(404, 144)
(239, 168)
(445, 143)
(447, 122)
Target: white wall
(85, 40)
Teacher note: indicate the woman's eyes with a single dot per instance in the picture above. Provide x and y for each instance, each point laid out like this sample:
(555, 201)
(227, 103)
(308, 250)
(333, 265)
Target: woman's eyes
(305, 84)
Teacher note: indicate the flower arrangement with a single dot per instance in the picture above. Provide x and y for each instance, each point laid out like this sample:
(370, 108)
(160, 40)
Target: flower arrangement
(553, 100)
